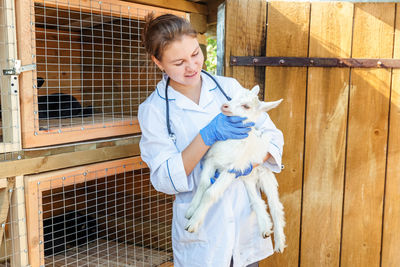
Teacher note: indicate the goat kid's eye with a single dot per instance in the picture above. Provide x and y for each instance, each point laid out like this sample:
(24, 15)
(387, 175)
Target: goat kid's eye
(245, 106)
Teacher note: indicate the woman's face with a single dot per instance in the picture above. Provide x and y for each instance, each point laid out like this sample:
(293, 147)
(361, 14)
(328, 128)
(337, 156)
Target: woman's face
(182, 60)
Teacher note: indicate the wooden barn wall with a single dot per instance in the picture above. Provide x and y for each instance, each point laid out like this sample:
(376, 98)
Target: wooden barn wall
(341, 182)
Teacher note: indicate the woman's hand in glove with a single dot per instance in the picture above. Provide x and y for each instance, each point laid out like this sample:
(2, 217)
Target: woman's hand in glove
(237, 173)
(224, 127)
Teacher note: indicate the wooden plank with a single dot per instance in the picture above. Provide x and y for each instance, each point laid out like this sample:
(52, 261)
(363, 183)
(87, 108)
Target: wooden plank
(3, 183)
(91, 131)
(212, 13)
(18, 229)
(181, 5)
(391, 224)
(9, 84)
(327, 102)
(114, 8)
(245, 36)
(367, 137)
(54, 162)
(4, 207)
(26, 37)
(287, 35)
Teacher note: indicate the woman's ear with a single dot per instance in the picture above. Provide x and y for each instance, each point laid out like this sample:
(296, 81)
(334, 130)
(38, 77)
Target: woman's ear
(158, 63)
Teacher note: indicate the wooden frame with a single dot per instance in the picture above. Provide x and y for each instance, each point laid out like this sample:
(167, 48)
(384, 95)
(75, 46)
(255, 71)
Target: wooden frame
(13, 189)
(35, 185)
(10, 124)
(31, 136)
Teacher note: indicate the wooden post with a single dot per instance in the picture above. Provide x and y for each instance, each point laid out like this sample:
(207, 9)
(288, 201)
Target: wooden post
(367, 136)
(391, 230)
(327, 101)
(10, 125)
(4, 207)
(287, 35)
(18, 229)
(240, 17)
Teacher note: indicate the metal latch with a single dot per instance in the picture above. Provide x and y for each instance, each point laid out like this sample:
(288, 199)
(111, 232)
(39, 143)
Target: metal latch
(18, 68)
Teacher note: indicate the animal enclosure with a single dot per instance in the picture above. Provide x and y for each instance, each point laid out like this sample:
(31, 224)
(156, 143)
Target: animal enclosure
(340, 185)
(91, 70)
(105, 214)
(10, 139)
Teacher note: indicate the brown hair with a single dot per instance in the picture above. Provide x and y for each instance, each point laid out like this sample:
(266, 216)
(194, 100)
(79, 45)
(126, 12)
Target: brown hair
(160, 31)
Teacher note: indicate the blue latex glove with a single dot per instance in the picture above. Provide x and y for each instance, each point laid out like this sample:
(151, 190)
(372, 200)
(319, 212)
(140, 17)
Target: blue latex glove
(237, 173)
(225, 127)
(216, 175)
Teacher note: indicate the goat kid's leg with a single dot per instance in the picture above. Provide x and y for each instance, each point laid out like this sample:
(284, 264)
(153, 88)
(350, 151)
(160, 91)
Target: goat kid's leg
(258, 206)
(210, 196)
(207, 172)
(270, 187)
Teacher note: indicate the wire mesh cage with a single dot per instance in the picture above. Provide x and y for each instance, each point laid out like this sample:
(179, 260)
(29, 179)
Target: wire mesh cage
(105, 214)
(13, 237)
(10, 139)
(91, 70)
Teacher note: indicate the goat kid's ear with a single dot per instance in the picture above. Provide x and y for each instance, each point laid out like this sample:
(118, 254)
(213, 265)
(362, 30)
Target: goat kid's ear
(255, 90)
(265, 106)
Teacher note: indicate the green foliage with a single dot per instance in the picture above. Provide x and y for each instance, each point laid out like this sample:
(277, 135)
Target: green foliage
(211, 61)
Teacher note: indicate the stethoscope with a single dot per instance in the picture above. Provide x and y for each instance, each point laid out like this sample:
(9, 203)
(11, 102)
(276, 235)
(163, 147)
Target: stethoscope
(171, 135)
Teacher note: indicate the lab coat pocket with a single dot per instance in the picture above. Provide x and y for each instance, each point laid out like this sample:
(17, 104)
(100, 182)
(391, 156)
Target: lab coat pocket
(179, 234)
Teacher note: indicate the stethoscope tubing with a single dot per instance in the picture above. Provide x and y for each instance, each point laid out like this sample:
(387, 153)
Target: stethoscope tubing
(170, 133)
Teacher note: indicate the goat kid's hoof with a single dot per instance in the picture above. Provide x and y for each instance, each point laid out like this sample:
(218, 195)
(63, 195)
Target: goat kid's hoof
(266, 234)
(280, 248)
(191, 227)
(189, 213)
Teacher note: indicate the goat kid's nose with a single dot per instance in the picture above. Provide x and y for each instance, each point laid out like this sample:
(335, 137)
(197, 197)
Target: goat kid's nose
(225, 109)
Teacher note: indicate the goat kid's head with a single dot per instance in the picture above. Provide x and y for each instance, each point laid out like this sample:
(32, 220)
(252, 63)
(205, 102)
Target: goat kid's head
(247, 104)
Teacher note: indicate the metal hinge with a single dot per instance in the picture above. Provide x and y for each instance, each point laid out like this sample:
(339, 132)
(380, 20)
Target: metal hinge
(18, 68)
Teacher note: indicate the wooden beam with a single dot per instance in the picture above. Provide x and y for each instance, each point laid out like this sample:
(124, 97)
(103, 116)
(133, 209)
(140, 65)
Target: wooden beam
(326, 113)
(199, 22)
(391, 233)
(180, 5)
(18, 227)
(288, 26)
(66, 160)
(213, 10)
(367, 149)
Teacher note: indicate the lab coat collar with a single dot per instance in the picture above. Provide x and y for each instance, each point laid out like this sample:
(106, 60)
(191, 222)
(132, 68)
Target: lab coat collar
(206, 95)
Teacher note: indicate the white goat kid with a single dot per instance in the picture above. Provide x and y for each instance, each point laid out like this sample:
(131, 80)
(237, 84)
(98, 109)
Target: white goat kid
(239, 154)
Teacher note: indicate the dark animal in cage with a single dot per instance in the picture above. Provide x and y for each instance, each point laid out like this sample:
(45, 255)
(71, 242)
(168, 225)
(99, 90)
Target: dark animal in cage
(71, 229)
(61, 106)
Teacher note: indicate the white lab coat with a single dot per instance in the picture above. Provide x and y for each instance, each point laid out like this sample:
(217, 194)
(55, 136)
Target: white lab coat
(230, 228)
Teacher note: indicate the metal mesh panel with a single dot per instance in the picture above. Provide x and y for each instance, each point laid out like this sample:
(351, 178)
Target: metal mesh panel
(114, 219)
(92, 71)
(9, 115)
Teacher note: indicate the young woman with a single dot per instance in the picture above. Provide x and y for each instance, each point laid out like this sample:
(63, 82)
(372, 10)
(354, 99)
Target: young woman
(180, 120)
